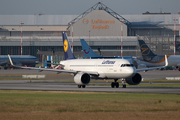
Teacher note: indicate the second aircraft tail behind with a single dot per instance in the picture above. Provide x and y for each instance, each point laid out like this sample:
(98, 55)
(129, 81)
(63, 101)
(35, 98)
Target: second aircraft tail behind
(146, 52)
(88, 52)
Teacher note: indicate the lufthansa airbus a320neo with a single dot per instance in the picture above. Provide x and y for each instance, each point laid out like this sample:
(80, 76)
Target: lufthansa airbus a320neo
(85, 69)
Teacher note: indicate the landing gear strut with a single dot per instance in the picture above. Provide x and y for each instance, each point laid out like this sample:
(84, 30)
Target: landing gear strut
(115, 84)
(123, 83)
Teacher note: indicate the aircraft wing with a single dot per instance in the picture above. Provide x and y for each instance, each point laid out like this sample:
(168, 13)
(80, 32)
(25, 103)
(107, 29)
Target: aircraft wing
(146, 69)
(56, 64)
(18, 63)
(53, 70)
(7, 62)
(3, 63)
(153, 68)
(57, 70)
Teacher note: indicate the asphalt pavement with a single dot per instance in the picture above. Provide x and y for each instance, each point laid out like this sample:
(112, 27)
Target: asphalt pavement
(45, 85)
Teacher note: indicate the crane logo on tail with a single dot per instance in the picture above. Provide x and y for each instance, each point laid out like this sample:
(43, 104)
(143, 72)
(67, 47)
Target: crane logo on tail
(144, 51)
(65, 45)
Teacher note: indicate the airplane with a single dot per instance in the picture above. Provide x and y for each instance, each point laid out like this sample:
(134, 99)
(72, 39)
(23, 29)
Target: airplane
(151, 59)
(19, 60)
(88, 52)
(85, 69)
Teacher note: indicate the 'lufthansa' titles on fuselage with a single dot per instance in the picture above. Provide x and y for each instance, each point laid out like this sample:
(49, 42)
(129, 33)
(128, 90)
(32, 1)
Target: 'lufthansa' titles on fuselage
(108, 62)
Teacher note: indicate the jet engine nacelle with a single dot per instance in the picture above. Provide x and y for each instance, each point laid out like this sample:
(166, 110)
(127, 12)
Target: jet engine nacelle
(135, 80)
(141, 66)
(17, 63)
(82, 78)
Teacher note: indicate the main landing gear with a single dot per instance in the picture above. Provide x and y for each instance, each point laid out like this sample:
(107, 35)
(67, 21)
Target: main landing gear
(83, 86)
(116, 84)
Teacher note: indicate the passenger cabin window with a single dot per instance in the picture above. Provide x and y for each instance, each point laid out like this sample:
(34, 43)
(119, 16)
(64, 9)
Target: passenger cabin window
(127, 65)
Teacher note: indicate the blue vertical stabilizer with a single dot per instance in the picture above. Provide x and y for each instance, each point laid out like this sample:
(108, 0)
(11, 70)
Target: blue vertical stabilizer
(67, 48)
(87, 51)
(145, 50)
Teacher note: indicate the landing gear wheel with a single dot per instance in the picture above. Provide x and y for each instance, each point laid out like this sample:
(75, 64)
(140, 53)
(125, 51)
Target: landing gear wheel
(83, 86)
(112, 84)
(117, 85)
(123, 86)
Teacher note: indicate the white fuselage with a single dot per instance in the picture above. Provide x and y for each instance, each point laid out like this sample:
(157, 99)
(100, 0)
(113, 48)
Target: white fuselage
(173, 60)
(106, 68)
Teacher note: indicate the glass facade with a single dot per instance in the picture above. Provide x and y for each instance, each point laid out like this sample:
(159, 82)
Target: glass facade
(31, 33)
(32, 50)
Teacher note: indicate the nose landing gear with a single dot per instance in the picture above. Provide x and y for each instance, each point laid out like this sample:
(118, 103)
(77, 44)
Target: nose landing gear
(123, 83)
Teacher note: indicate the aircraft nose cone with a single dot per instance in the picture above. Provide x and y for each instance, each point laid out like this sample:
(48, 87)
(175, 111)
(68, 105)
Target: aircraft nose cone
(131, 71)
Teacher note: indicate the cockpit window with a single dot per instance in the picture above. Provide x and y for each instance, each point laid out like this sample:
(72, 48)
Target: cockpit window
(127, 65)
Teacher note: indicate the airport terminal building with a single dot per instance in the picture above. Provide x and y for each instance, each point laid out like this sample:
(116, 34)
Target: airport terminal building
(100, 26)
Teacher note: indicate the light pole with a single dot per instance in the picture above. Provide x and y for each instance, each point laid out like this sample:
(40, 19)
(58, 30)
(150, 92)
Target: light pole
(175, 35)
(179, 23)
(89, 37)
(121, 38)
(21, 36)
(72, 37)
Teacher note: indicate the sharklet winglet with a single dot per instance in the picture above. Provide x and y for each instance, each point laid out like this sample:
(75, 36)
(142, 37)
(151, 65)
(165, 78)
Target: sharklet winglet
(10, 60)
(166, 61)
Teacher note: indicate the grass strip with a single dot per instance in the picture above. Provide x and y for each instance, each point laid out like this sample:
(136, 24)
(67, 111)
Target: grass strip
(16, 104)
(54, 101)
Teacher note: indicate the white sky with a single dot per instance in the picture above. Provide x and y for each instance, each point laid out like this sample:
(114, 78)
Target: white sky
(76, 7)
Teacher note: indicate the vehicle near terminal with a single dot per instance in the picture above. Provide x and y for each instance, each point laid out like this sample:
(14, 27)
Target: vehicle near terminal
(156, 60)
(18, 60)
(85, 69)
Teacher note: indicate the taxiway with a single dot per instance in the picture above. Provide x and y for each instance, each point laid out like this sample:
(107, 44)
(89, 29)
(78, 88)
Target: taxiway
(44, 85)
